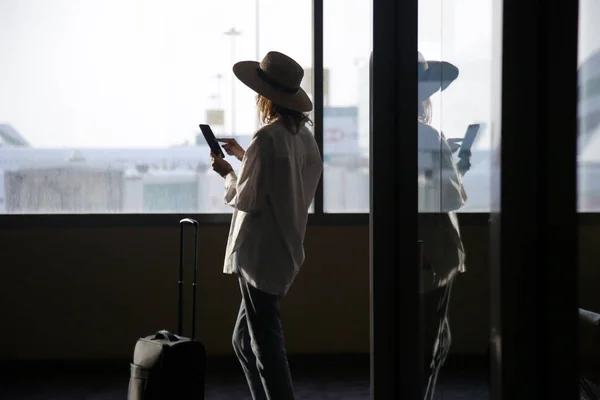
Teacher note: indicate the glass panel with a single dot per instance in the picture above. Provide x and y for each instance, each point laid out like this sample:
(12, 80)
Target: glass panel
(456, 100)
(589, 107)
(449, 32)
(101, 100)
(347, 44)
(494, 162)
(589, 192)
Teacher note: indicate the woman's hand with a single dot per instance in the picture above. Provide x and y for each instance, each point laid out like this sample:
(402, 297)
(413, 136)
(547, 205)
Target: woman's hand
(220, 166)
(464, 162)
(233, 148)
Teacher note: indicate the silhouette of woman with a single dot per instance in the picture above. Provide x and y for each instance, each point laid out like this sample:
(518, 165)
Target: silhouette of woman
(441, 195)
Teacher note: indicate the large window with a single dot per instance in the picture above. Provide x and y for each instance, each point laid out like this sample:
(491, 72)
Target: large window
(101, 99)
(460, 32)
(457, 31)
(589, 106)
(347, 44)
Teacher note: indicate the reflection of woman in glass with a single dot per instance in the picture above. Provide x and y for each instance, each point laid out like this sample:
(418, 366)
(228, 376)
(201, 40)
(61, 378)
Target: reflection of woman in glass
(441, 193)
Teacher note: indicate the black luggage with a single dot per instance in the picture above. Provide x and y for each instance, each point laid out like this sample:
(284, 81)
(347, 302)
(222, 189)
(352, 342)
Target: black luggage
(589, 341)
(168, 366)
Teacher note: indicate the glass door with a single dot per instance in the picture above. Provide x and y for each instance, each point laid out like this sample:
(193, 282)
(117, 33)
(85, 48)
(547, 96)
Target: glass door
(457, 94)
(588, 168)
(431, 119)
(495, 136)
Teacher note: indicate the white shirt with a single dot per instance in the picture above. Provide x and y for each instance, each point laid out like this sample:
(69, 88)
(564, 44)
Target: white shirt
(441, 186)
(271, 197)
(438, 226)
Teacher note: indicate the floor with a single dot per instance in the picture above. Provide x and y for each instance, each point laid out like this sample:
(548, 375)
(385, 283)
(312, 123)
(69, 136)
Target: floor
(330, 384)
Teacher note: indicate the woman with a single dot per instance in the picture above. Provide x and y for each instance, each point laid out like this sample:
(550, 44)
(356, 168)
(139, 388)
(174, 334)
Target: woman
(438, 226)
(271, 198)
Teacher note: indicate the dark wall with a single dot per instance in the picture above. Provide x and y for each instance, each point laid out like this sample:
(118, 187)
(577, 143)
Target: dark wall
(90, 293)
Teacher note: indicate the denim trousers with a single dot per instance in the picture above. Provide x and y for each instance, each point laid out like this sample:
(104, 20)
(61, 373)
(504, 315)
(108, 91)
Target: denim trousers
(259, 345)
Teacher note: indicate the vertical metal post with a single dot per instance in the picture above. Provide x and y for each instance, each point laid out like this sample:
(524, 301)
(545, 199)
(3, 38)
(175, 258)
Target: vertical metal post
(257, 32)
(180, 284)
(195, 282)
(233, 33)
(317, 85)
(534, 284)
(233, 87)
(395, 299)
(257, 44)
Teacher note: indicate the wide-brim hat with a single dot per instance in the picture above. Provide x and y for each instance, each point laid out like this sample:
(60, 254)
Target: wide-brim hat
(277, 77)
(434, 76)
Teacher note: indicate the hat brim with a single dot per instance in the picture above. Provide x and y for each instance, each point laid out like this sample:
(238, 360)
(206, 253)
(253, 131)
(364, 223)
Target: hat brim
(438, 76)
(246, 72)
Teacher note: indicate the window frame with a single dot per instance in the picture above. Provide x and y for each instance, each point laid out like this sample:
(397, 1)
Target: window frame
(317, 218)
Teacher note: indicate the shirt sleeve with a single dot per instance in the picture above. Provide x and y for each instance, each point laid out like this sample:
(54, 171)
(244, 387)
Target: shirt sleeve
(248, 191)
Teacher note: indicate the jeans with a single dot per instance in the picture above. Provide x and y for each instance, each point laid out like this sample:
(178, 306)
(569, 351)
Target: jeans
(259, 345)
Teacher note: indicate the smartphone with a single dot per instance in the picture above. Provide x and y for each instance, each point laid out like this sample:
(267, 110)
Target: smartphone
(468, 139)
(209, 136)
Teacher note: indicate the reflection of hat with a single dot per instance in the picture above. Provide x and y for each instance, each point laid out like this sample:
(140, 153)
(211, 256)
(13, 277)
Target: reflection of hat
(277, 77)
(433, 76)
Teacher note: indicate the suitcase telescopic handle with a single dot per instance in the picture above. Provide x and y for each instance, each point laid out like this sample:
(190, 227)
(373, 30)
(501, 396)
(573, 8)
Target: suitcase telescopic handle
(182, 224)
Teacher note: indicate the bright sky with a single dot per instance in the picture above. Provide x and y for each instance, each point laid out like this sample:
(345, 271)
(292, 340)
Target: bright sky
(589, 29)
(140, 73)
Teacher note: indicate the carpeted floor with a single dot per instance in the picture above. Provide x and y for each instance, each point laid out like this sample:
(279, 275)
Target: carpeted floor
(347, 389)
(331, 383)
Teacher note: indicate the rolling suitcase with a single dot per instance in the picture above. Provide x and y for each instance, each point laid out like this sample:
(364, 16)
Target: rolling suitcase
(169, 366)
(589, 341)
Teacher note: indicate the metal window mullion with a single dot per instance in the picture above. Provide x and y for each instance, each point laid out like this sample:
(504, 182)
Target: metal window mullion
(395, 301)
(317, 86)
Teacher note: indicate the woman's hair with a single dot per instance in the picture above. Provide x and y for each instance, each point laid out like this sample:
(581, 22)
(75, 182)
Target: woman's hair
(269, 112)
(425, 111)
